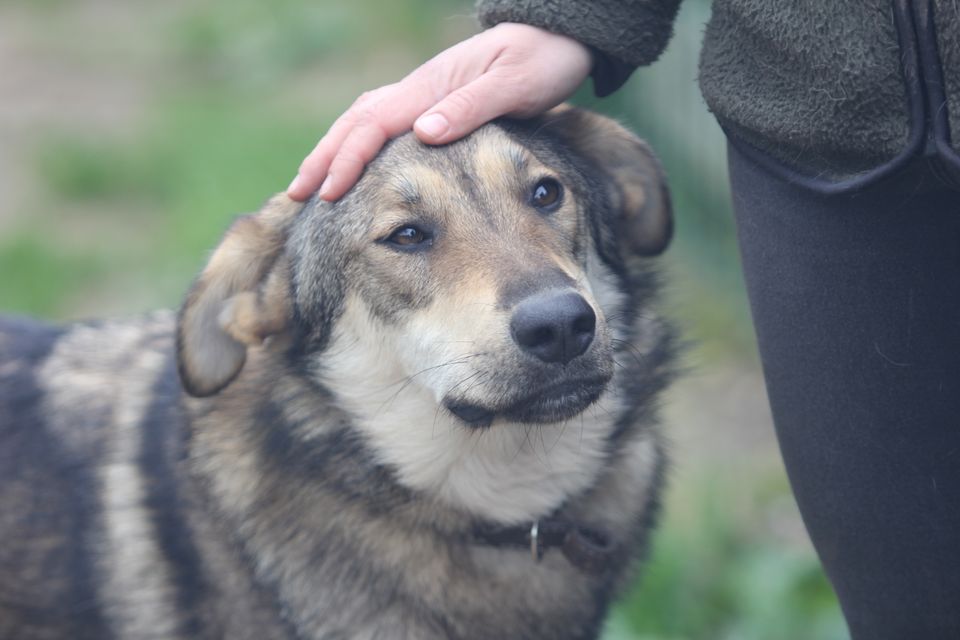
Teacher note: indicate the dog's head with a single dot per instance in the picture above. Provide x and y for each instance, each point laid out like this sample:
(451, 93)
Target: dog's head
(468, 288)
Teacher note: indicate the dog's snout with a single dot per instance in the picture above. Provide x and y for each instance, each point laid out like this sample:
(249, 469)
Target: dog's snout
(554, 327)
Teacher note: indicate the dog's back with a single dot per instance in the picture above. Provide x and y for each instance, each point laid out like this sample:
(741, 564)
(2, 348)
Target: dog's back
(42, 502)
(77, 460)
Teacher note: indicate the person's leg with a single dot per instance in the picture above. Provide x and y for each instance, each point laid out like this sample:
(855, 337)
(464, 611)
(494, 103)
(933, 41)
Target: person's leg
(856, 303)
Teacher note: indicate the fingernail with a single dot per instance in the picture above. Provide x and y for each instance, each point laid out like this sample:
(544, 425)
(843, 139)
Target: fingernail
(434, 125)
(325, 186)
(297, 181)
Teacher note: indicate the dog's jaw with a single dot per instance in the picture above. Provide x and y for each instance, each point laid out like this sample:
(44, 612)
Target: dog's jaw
(509, 473)
(555, 403)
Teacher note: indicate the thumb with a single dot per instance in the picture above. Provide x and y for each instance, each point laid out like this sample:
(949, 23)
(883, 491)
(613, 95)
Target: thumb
(469, 107)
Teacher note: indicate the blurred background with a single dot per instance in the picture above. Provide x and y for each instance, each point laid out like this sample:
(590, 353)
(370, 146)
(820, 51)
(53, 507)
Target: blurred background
(131, 132)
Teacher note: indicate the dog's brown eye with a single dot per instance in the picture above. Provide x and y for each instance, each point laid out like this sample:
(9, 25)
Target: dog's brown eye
(547, 194)
(410, 237)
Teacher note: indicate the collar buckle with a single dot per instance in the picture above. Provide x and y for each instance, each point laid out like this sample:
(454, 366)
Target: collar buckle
(536, 548)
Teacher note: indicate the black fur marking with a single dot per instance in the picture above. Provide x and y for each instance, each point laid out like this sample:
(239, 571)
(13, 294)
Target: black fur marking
(162, 448)
(338, 460)
(65, 604)
(317, 300)
(643, 383)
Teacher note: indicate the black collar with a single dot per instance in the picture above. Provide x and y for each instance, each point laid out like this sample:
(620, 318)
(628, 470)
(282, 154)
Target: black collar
(587, 549)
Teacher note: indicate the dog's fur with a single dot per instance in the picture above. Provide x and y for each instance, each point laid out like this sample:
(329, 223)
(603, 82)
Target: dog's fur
(350, 410)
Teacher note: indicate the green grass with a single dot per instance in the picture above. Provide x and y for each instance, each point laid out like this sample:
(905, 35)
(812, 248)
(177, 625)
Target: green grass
(172, 191)
(39, 278)
(277, 37)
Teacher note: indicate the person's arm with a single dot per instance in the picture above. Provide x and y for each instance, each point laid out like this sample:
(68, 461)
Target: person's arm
(510, 69)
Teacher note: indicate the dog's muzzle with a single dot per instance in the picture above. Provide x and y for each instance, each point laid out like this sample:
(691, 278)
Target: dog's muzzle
(553, 330)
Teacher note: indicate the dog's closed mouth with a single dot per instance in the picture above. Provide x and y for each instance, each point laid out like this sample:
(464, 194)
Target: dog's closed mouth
(553, 403)
(474, 415)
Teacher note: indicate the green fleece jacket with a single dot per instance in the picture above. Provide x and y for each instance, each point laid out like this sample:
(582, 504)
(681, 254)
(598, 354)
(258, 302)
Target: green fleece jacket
(817, 85)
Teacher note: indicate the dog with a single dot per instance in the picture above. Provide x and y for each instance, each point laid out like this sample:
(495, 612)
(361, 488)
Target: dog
(427, 410)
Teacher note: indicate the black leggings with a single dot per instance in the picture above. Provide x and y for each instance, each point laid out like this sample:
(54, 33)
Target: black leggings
(856, 302)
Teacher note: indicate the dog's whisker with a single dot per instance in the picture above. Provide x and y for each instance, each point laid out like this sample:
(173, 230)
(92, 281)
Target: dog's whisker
(464, 381)
(405, 382)
(543, 446)
(525, 442)
(455, 361)
(476, 435)
(602, 408)
(561, 431)
(439, 408)
(624, 346)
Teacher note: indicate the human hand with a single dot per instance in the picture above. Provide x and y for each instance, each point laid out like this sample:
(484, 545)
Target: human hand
(510, 69)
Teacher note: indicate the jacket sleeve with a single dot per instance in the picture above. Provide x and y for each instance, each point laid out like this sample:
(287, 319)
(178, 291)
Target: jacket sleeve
(623, 34)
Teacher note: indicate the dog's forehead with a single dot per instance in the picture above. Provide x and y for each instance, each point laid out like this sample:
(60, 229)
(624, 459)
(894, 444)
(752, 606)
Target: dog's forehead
(489, 160)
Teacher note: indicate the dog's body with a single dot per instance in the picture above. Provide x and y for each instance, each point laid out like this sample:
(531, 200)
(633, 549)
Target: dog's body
(373, 399)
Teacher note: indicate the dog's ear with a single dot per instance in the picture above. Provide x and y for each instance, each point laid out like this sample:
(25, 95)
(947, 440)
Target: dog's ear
(239, 299)
(637, 187)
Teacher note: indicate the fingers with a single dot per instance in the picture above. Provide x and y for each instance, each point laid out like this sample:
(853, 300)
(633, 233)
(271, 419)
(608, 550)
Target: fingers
(355, 138)
(529, 71)
(355, 147)
(357, 135)
(466, 109)
(509, 69)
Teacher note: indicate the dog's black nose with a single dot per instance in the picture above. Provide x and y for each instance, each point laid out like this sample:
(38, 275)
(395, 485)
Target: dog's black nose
(554, 326)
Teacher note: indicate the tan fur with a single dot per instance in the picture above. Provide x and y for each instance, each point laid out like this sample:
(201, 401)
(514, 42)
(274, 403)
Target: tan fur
(251, 317)
(227, 310)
